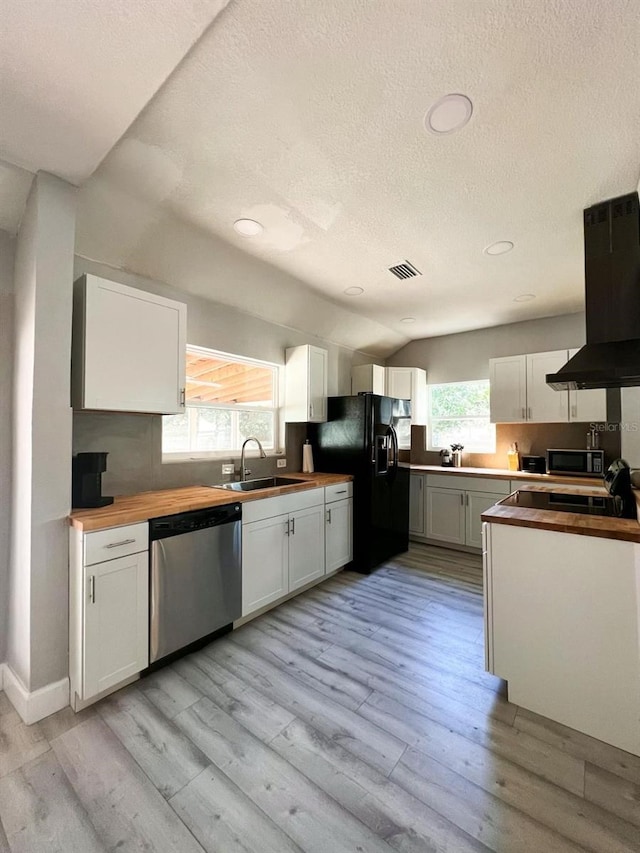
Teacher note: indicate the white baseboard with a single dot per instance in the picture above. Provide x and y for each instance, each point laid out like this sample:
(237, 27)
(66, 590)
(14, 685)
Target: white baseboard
(38, 704)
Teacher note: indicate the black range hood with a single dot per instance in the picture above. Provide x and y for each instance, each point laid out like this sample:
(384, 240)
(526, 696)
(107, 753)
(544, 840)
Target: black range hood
(611, 356)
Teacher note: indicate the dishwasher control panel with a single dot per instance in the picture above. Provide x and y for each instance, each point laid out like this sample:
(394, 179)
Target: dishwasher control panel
(199, 519)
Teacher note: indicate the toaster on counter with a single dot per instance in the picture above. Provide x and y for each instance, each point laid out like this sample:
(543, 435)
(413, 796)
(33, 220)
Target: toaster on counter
(534, 464)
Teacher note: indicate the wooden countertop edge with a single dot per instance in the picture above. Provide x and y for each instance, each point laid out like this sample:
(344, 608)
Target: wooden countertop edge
(132, 509)
(622, 529)
(504, 474)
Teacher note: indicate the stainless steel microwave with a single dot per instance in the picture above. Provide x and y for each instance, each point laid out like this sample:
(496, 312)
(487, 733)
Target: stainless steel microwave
(576, 463)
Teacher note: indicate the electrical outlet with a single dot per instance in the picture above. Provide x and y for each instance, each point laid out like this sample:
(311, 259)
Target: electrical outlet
(281, 463)
(228, 469)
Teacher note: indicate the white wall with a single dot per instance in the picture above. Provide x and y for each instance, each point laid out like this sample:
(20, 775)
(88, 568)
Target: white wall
(457, 358)
(38, 602)
(7, 249)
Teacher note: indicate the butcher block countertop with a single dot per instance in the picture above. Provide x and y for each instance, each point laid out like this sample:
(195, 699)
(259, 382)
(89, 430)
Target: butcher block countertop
(625, 529)
(141, 507)
(505, 474)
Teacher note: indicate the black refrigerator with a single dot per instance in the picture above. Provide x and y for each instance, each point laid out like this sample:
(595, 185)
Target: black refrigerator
(360, 438)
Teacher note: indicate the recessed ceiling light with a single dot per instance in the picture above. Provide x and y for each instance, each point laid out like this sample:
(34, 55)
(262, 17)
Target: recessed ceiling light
(525, 297)
(448, 114)
(408, 320)
(499, 248)
(354, 291)
(248, 227)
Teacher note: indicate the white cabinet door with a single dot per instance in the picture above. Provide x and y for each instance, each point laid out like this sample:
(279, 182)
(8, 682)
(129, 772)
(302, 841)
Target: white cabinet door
(318, 384)
(306, 375)
(129, 349)
(416, 504)
(409, 383)
(116, 622)
(306, 546)
(446, 515)
(477, 503)
(587, 406)
(544, 405)
(399, 382)
(265, 562)
(339, 534)
(368, 378)
(508, 389)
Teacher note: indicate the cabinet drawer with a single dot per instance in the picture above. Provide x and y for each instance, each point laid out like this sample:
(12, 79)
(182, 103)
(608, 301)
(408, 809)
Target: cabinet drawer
(469, 484)
(338, 492)
(270, 507)
(115, 542)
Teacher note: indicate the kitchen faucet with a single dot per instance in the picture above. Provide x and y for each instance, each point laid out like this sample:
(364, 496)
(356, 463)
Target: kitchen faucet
(245, 471)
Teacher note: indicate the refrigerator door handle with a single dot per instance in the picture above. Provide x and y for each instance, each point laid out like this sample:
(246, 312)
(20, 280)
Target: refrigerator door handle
(393, 441)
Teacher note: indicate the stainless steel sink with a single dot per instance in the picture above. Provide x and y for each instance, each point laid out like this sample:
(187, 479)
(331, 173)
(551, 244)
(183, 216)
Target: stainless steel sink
(261, 483)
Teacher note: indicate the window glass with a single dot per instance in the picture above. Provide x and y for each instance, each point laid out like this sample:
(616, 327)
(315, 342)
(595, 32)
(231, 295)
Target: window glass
(459, 414)
(228, 398)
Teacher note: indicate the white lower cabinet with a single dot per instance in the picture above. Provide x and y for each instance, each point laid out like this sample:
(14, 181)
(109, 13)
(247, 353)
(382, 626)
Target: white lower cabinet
(306, 546)
(338, 534)
(283, 546)
(476, 504)
(446, 515)
(416, 504)
(265, 562)
(116, 638)
(109, 611)
(453, 506)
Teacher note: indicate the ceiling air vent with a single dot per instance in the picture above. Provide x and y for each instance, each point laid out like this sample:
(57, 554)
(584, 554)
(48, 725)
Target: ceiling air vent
(405, 270)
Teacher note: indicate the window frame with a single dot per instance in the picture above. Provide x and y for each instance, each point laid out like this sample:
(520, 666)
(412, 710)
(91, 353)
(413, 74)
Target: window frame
(430, 446)
(278, 431)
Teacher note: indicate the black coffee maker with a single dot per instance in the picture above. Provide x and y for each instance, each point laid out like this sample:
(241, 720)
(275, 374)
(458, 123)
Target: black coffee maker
(86, 480)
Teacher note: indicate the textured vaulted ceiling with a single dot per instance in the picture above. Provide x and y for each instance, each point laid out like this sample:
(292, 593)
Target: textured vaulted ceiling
(308, 116)
(74, 74)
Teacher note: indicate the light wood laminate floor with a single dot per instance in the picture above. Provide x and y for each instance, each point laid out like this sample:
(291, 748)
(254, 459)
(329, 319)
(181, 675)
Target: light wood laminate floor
(356, 717)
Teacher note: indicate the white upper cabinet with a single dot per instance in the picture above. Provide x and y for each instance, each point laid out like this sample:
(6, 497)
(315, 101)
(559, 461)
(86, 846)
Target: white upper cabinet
(368, 377)
(409, 383)
(306, 384)
(129, 349)
(587, 406)
(519, 391)
(508, 383)
(544, 405)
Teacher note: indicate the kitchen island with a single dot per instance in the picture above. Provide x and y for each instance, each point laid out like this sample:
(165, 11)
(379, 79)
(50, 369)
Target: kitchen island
(562, 617)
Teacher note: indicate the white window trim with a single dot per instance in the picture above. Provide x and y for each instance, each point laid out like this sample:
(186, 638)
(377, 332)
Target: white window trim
(430, 420)
(204, 455)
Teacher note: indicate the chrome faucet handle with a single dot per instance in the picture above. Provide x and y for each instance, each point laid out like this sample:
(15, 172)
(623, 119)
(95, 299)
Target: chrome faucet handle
(247, 472)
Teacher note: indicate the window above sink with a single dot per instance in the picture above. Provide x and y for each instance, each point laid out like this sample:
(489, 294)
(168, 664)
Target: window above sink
(228, 399)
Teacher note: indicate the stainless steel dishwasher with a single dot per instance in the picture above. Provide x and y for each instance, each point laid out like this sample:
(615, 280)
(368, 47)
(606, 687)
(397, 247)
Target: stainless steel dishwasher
(195, 577)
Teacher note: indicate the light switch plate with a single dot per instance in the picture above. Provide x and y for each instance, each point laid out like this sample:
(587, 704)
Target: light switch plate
(228, 469)
(281, 463)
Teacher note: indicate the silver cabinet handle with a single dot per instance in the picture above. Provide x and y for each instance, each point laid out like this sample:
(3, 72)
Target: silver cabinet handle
(529, 415)
(466, 498)
(343, 492)
(119, 544)
(310, 410)
(293, 527)
(328, 516)
(420, 484)
(524, 414)
(183, 394)
(286, 528)
(461, 498)
(92, 589)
